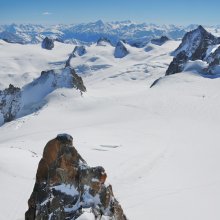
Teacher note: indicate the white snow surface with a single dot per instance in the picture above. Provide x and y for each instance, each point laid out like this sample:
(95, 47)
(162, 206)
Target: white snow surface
(196, 66)
(211, 49)
(159, 146)
(67, 189)
(20, 64)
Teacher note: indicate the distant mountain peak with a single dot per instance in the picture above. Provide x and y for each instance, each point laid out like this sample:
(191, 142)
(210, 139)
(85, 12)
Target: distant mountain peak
(194, 46)
(200, 27)
(195, 43)
(133, 32)
(16, 102)
(120, 50)
(100, 22)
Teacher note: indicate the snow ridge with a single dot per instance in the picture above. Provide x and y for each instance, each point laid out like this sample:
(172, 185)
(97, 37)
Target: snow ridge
(16, 102)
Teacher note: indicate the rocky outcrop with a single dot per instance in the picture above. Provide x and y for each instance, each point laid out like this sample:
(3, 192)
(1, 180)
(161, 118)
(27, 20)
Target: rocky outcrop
(160, 41)
(78, 82)
(195, 43)
(16, 102)
(48, 43)
(10, 102)
(194, 46)
(66, 186)
(103, 41)
(120, 50)
(78, 51)
(178, 63)
(214, 62)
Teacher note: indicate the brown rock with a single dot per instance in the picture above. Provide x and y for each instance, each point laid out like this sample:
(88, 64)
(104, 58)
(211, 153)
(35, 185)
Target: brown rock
(66, 185)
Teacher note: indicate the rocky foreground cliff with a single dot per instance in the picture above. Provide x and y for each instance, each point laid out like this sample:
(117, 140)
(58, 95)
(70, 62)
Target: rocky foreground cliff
(66, 188)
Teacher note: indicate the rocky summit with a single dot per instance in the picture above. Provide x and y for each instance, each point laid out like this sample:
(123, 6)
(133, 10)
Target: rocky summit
(67, 188)
(195, 46)
(47, 43)
(120, 50)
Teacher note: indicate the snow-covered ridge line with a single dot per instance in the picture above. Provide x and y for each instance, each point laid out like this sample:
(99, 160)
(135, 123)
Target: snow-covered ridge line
(90, 32)
(199, 52)
(16, 102)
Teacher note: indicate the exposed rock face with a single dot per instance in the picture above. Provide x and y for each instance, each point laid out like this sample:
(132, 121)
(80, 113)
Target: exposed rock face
(177, 65)
(9, 102)
(78, 51)
(194, 46)
(47, 43)
(195, 43)
(160, 41)
(16, 102)
(65, 186)
(120, 50)
(78, 82)
(214, 62)
(103, 41)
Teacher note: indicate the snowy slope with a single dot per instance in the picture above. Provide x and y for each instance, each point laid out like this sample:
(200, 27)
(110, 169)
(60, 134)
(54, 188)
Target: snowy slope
(159, 146)
(20, 64)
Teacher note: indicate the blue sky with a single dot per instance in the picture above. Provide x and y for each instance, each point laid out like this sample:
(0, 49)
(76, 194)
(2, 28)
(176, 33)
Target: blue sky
(75, 11)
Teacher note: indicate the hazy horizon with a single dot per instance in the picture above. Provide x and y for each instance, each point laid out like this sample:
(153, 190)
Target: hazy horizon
(147, 11)
(111, 21)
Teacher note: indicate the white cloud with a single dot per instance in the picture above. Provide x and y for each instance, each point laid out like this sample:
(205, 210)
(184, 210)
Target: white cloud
(47, 13)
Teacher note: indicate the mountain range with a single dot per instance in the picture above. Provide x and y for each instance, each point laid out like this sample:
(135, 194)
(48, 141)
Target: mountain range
(90, 32)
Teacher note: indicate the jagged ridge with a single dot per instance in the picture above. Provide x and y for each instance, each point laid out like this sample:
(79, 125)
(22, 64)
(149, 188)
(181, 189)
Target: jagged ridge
(194, 46)
(16, 102)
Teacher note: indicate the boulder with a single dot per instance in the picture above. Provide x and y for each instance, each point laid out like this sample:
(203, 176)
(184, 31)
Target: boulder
(79, 50)
(66, 186)
(196, 42)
